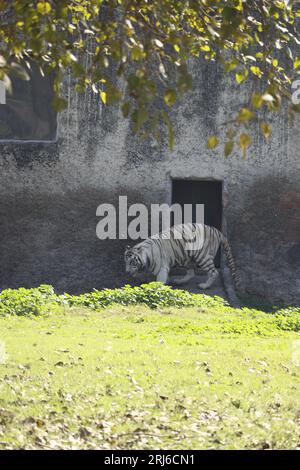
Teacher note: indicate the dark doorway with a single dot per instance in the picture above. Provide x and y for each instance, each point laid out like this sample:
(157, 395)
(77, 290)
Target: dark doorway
(195, 192)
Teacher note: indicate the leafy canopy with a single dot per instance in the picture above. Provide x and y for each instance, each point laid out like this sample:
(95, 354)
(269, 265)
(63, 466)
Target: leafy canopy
(147, 44)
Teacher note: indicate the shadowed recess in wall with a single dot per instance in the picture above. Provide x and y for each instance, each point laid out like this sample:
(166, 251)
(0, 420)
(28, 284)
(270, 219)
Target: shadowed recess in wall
(265, 230)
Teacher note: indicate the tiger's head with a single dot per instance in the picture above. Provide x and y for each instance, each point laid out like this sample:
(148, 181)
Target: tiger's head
(134, 260)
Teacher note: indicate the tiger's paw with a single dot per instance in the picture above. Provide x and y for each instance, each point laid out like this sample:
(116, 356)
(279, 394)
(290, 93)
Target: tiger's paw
(203, 285)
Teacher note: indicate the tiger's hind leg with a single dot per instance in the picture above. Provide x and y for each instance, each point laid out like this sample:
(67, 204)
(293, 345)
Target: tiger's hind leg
(178, 281)
(212, 274)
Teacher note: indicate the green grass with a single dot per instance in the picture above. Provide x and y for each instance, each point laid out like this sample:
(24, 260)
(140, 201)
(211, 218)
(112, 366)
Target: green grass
(133, 377)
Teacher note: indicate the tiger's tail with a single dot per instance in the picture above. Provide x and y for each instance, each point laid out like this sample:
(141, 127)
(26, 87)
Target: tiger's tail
(230, 262)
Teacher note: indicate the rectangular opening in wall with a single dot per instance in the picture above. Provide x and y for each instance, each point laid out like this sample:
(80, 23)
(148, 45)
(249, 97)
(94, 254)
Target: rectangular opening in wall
(206, 193)
(26, 111)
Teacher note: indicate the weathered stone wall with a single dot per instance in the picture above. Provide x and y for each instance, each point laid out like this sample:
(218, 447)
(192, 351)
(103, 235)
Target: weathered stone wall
(49, 193)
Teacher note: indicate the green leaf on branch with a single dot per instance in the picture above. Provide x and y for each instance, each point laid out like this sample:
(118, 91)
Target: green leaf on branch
(245, 141)
(256, 71)
(228, 148)
(257, 100)
(297, 63)
(170, 97)
(241, 76)
(59, 104)
(245, 114)
(185, 81)
(139, 117)
(231, 65)
(103, 96)
(43, 8)
(295, 108)
(266, 130)
(125, 109)
(212, 142)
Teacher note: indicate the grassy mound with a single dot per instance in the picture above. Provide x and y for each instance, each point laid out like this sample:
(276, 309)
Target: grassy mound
(43, 301)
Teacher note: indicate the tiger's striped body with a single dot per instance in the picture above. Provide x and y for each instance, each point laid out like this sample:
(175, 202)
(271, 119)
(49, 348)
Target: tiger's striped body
(183, 245)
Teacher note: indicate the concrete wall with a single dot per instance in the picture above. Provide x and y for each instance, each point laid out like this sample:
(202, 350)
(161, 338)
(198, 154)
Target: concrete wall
(49, 193)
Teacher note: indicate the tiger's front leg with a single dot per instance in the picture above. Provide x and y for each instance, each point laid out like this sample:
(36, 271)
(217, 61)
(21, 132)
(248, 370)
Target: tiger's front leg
(162, 275)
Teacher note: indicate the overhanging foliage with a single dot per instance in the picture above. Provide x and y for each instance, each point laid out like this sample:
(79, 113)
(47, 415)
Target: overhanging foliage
(147, 45)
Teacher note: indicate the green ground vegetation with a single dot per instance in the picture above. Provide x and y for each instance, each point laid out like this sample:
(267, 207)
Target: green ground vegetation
(153, 374)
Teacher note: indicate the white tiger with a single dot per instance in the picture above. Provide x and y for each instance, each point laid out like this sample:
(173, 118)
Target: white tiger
(184, 245)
